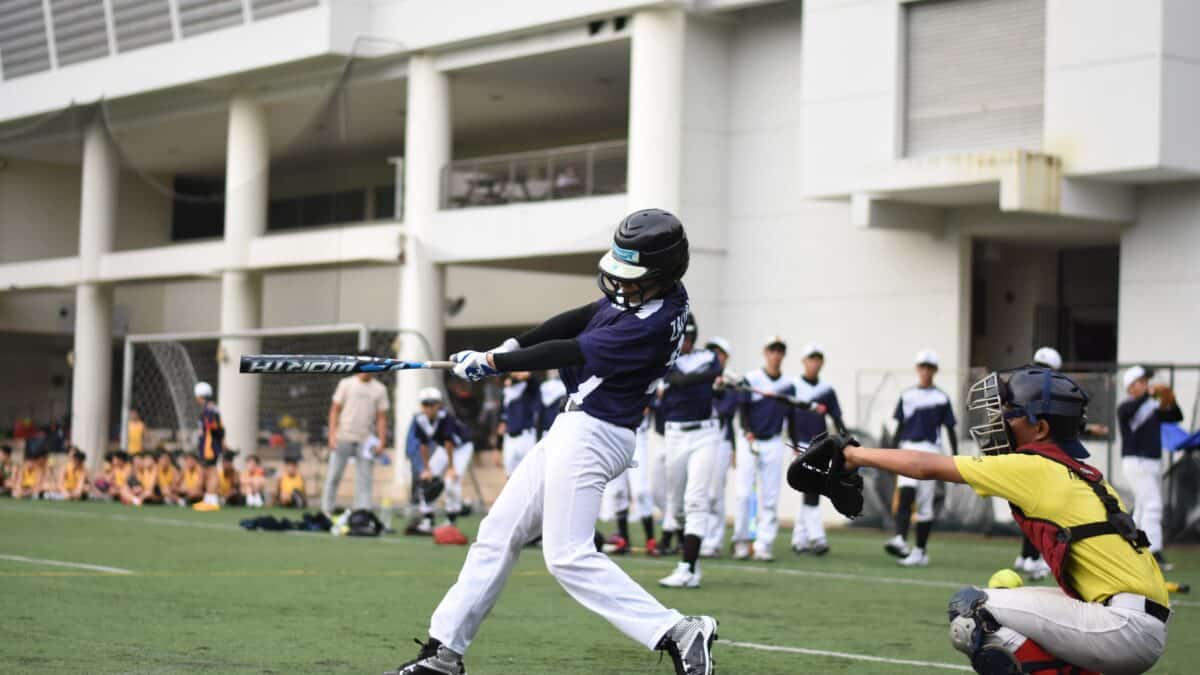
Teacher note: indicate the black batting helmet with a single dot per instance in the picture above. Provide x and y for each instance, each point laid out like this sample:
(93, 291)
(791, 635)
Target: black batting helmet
(650, 250)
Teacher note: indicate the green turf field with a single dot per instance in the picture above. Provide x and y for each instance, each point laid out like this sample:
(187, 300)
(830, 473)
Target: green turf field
(205, 595)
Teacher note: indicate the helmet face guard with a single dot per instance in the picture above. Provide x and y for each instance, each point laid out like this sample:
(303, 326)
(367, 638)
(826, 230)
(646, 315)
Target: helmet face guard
(1029, 392)
(985, 416)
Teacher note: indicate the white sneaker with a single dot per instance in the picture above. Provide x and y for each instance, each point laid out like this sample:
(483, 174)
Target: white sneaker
(764, 555)
(897, 546)
(682, 577)
(1038, 569)
(741, 550)
(1021, 564)
(916, 558)
(709, 552)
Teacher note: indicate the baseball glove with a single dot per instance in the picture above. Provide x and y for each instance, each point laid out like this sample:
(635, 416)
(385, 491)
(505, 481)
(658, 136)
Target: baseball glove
(822, 470)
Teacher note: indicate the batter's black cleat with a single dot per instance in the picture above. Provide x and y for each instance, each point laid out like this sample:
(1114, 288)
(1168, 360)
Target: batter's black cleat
(690, 643)
(434, 659)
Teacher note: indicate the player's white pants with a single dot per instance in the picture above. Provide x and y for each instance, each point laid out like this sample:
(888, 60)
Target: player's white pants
(1112, 640)
(763, 464)
(1145, 479)
(657, 453)
(690, 456)
(438, 463)
(923, 506)
(516, 447)
(631, 490)
(714, 540)
(556, 493)
(809, 527)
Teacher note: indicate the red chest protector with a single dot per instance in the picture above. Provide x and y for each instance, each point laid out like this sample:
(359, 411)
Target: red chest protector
(1053, 540)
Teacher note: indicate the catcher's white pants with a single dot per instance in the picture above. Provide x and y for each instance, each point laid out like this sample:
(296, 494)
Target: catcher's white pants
(923, 506)
(690, 456)
(714, 539)
(516, 447)
(1145, 479)
(1113, 640)
(761, 462)
(556, 493)
(630, 490)
(439, 461)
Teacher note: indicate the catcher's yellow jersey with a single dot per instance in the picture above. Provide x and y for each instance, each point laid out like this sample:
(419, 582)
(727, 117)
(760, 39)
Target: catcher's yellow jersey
(1099, 566)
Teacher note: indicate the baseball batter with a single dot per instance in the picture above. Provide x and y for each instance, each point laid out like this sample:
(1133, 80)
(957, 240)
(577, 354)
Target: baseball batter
(920, 415)
(1110, 611)
(808, 535)
(609, 353)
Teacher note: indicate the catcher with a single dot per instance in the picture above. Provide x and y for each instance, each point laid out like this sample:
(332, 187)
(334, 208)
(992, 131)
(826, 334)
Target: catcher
(1110, 611)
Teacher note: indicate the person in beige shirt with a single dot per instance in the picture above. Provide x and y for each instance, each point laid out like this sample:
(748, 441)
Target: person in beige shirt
(358, 412)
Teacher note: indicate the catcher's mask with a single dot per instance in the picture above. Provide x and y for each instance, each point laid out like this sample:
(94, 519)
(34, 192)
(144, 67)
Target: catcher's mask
(1031, 392)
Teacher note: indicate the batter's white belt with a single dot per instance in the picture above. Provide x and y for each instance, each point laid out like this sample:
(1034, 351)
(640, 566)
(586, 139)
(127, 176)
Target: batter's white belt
(1140, 603)
(692, 426)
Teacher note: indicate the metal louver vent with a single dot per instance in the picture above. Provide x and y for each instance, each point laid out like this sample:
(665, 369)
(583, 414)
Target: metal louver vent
(80, 32)
(202, 16)
(23, 48)
(263, 9)
(141, 23)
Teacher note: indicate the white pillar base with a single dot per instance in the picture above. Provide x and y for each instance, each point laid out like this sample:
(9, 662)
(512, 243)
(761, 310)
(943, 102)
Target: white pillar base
(91, 383)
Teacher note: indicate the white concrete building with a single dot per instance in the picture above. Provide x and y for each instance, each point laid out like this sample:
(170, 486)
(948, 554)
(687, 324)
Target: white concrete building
(972, 176)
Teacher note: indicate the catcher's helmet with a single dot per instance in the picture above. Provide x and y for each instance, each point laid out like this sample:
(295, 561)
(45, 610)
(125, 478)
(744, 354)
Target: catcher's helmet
(650, 249)
(1032, 392)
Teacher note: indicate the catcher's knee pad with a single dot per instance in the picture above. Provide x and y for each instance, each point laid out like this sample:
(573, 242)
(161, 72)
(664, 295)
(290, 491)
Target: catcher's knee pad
(969, 621)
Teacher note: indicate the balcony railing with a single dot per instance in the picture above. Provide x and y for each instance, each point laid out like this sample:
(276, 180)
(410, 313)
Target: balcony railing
(541, 175)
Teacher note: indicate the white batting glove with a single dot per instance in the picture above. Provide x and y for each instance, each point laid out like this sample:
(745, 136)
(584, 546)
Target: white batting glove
(472, 366)
(508, 345)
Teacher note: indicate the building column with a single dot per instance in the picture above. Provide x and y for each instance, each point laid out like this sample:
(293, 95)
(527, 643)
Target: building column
(656, 109)
(92, 376)
(247, 174)
(427, 151)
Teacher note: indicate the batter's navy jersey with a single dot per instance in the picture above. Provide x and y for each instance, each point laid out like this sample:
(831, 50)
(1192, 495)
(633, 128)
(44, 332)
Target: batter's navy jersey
(763, 416)
(809, 423)
(922, 412)
(625, 351)
(522, 407)
(1141, 422)
(725, 406)
(692, 402)
(553, 393)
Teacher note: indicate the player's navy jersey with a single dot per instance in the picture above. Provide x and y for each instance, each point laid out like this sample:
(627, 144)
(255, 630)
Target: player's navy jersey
(691, 402)
(553, 392)
(522, 407)
(725, 406)
(922, 412)
(763, 416)
(809, 423)
(212, 432)
(1141, 422)
(444, 427)
(625, 351)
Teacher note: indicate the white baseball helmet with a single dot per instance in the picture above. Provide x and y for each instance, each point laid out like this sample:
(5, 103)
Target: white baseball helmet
(203, 390)
(430, 395)
(927, 357)
(1049, 357)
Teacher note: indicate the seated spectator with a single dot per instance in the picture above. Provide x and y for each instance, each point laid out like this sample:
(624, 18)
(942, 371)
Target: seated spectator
(229, 484)
(254, 482)
(191, 480)
(7, 470)
(73, 483)
(31, 480)
(289, 488)
(146, 470)
(168, 476)
(119, 480)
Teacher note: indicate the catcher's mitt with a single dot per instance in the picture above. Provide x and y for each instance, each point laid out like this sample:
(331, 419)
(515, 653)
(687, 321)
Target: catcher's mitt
(821, 469)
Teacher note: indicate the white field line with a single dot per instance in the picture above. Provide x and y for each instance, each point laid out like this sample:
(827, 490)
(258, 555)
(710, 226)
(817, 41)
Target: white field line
(63, 563)
(843, 655)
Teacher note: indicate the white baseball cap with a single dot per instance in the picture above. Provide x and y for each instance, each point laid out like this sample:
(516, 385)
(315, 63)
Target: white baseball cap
(1133, 375)
(775, 340)
(720, 343)
(203, 390)
(1049, 357)
(429, 395)
(813, 349)
(927, 357)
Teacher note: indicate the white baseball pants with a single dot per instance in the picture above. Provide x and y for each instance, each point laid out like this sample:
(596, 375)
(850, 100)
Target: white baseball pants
(630, 490)
(690, 456)
(516, 447)
(714, 539)
(1145, 479)
(657, 454)
(923, 505)
(1113, 640)
(761, 462)
(439, 461)
(556, 493)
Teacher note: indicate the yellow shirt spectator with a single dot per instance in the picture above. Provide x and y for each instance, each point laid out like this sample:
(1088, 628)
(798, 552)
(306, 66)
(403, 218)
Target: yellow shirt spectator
(137, 430)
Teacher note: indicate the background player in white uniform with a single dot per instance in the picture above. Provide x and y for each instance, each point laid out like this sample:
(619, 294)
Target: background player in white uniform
(692, 437)
(519, 417)
(609, 352)
(808, 535)
(920, 415)
(725, 402)
(761, 455)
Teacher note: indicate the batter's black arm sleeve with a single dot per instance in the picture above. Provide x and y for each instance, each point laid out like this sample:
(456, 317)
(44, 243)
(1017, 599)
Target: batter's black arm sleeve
(547, 355)
(566, 325)
(953, 439)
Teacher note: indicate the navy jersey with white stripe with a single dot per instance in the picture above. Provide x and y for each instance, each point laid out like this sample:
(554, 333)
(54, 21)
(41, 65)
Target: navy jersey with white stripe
(553, 392)
(625, 351)
(922, 412)
(444, 427)
(691, 402)
(1141, 421)
(764, 416)
(809, 423)
(522, 406)
(725, 406)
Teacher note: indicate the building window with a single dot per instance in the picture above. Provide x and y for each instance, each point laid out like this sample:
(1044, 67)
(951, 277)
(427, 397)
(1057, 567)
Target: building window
(975, 75)
(198, 212)
(290, 213)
